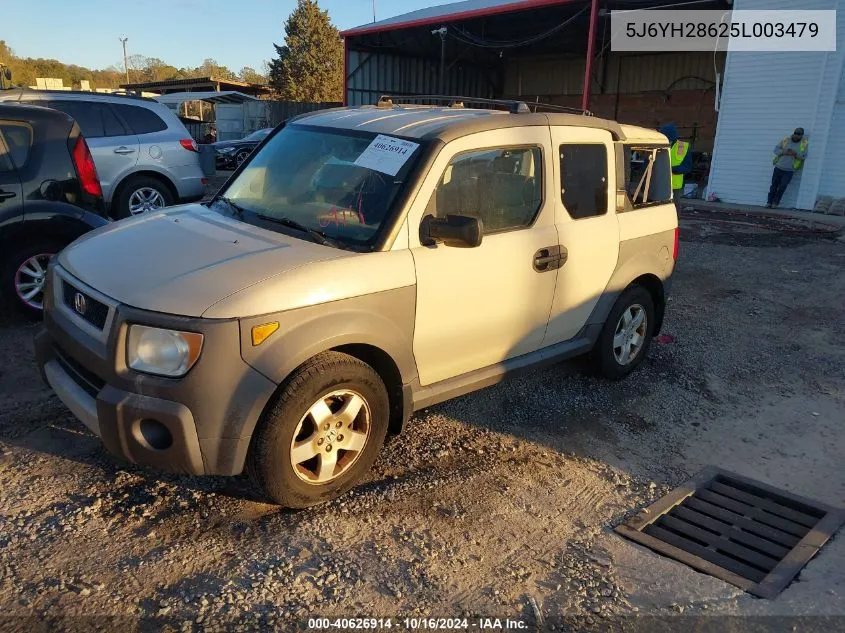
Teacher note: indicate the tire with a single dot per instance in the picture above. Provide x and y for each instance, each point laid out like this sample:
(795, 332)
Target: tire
(16, 277)
(240, 157)
(609, 359)
(289, 418)
(138, 189)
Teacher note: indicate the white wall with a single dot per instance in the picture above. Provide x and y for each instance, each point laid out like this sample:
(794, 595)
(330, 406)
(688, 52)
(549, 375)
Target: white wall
(833, 182)
(767, 95)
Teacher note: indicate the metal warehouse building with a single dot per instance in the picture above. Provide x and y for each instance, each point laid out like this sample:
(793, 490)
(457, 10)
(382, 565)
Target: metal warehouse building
(542, 50)
(765, 97)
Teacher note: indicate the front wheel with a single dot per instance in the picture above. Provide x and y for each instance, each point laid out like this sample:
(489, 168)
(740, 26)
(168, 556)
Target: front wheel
(323, 432)
(24, 272)
(626, 336)
(240, 157)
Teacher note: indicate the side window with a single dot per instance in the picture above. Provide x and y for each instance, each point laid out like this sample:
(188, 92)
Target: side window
(502, 187)
(583, 179)
(648, 178)
(18, 140)
(140, 120)
(89, 118)
(111, 124)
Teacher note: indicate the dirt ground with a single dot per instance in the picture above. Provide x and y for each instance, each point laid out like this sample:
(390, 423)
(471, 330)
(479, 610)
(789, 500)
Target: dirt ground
(497, 504)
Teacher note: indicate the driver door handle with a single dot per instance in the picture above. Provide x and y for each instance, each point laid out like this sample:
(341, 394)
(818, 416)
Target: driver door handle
(550, 258)
(5, 195)
(123, 150)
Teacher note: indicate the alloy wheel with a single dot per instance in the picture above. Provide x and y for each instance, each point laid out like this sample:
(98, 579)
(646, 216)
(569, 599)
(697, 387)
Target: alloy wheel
(29, 280)
(144, 200)
(330, 437)
(630, 333)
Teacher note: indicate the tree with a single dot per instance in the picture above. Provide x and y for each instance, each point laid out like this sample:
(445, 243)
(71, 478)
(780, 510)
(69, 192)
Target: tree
(309, 66)
(251, 76)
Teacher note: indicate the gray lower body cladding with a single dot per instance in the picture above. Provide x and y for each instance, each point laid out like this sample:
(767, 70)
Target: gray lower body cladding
(209, 414)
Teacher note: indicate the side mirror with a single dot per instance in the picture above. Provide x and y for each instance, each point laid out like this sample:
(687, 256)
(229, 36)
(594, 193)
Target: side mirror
(8, 74)
(462, 231)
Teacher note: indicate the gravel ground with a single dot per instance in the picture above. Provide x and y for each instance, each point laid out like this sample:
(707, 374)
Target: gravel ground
(498, 504)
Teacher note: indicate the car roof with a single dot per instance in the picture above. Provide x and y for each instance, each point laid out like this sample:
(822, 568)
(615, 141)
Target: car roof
(444, 123)
(83, 95)
(637, 134)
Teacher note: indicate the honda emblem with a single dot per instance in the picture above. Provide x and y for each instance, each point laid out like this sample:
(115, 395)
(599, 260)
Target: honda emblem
(80, 303)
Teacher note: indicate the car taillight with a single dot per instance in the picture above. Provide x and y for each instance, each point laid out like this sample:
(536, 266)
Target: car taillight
(84, 163)
(675, 247)
(189, 144)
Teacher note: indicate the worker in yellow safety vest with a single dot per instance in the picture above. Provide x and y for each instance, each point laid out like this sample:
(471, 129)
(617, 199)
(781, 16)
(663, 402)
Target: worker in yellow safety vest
(789, 157)
(681, 158)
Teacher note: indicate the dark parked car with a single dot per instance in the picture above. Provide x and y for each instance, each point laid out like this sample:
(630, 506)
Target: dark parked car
(230, 154)
(49, 195)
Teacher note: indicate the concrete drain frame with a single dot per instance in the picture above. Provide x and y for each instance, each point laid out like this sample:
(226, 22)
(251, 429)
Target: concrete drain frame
(739, 530)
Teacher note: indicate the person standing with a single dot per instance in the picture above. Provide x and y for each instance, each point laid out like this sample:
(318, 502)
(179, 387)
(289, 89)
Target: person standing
(789, 157)
(681, 158)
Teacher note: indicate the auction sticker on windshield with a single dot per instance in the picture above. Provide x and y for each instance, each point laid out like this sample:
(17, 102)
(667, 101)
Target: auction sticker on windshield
(386, 154)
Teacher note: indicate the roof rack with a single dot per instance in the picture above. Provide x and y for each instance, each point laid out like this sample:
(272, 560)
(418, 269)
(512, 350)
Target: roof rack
(513, 106)
(118, 93)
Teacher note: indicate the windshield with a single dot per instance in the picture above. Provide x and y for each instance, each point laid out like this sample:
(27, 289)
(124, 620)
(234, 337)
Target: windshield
(337, 182)
(258, 135)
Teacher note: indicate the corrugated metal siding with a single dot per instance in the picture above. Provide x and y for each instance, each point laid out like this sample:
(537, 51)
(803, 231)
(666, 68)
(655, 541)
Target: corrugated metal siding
(765, 96)
(832, 182)
(374, 74)
(632, 73)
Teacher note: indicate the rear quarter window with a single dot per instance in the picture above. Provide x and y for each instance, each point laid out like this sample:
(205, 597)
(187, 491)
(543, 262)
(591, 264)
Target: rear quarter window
(648, 175)
(140, 120)
(18, 140)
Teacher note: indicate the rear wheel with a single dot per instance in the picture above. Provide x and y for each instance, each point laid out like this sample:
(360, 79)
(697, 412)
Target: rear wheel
(24, 273)
(626, 336)
(142, 194)
(323, 432)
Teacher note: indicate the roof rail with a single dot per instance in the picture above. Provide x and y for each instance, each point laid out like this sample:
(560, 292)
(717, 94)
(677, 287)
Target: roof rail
(514, 106)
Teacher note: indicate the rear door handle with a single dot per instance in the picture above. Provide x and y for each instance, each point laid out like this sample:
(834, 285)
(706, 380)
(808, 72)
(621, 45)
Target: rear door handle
(123, 150)
(550, 258)
(5, 195)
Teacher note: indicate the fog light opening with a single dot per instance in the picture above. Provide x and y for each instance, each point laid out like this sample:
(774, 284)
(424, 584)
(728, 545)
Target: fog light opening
(155, 434)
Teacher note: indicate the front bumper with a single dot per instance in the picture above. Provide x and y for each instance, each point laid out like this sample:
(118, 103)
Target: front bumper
(199, 424)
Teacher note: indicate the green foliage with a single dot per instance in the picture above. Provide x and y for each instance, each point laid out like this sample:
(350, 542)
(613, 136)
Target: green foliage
(309, 66)
(141, 69)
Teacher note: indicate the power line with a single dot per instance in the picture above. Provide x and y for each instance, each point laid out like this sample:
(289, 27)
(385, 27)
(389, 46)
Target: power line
(469, 38)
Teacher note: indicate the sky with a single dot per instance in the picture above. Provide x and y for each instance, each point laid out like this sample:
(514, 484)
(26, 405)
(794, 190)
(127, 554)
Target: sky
(236, 33)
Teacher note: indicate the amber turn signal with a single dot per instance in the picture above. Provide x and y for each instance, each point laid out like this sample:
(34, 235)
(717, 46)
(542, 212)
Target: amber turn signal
(261, 333)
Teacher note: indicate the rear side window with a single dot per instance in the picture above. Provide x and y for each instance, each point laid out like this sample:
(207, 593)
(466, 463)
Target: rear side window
(648, 175)
(18, 140)
(583, 179)
(95, 119)
(140, 120)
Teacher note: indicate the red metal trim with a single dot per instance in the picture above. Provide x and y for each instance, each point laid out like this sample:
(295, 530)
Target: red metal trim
(588, 67)
(345, 71)
(454, 17)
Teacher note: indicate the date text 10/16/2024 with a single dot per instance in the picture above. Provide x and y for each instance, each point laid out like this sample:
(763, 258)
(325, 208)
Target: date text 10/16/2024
(413, 624)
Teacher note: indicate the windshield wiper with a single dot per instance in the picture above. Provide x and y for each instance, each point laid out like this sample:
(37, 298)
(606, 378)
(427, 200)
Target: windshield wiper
(317, 236)
(234, 205)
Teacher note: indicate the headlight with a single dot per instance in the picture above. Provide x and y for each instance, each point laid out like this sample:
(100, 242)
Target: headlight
(161, 352)
(226, 150)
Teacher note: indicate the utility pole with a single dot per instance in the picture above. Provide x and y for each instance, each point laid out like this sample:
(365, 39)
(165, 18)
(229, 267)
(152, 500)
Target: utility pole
(374, 11)
(442, 33)
(125, 63)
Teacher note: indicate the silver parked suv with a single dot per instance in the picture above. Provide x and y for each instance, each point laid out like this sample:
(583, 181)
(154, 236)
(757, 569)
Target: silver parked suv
(145, 157)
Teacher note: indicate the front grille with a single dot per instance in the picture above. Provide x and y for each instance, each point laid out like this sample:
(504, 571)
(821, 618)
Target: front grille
(93, 311)
(83, 377)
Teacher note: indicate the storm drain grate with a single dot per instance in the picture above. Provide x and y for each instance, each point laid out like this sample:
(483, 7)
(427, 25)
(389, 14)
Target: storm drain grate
(742, 531)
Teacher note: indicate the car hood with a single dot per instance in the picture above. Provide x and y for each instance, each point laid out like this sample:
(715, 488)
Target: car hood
(184, 259)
